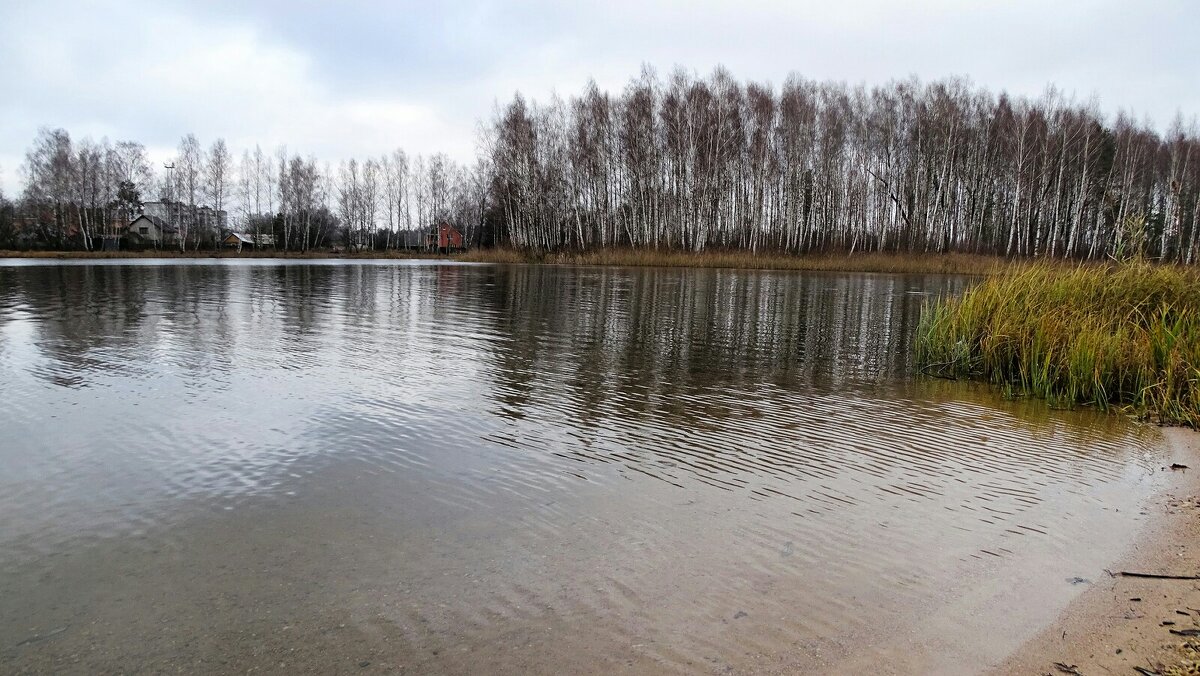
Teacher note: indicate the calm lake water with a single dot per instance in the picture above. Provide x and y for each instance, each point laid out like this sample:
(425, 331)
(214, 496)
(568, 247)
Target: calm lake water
(374, 467)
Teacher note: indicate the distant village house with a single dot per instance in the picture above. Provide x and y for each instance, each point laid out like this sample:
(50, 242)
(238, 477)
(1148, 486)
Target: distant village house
(163, 224)
(152, 232)
(207, 220)
(240, 240)
(444, 237)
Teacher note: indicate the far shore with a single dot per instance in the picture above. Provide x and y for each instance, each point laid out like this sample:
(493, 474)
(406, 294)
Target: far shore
(223, 253)
(886, 262)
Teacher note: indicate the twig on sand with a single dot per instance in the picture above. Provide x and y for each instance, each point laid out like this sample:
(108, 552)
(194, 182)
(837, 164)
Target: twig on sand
(1158, 576)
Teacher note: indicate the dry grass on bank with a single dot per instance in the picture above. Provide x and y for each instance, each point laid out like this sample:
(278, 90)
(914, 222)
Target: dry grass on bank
(1125, 336)
(625, 257)
(1187, 660)
(858, 262)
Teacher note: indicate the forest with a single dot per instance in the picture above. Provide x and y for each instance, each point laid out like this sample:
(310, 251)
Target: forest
(695, 163)
(80, 194)
(687, 163)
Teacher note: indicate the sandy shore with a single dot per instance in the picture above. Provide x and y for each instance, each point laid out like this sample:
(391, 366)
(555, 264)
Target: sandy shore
(1122, 623)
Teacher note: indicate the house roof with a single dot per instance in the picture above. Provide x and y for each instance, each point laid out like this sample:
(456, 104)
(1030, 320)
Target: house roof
(156, 222)
(242, 237)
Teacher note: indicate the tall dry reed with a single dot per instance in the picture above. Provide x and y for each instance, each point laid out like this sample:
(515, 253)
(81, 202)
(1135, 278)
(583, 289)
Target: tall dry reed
(1124, 336)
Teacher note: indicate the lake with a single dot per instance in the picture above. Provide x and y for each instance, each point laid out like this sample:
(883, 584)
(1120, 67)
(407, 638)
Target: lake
(385, 467)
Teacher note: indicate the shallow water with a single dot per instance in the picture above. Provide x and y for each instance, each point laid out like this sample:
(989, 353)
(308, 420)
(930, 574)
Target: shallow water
(306, 466)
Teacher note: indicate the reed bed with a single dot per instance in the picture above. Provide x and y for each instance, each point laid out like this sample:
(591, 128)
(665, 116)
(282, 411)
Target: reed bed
(1122, 336)
(740, 259)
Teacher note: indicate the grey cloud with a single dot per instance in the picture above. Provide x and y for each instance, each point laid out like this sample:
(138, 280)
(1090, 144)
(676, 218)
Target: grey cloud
(342, 79)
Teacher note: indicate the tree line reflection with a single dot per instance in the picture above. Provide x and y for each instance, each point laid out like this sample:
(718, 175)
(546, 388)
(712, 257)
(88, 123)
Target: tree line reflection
(641, 339)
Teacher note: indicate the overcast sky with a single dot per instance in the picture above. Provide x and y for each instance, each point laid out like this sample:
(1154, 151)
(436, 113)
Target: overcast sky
(343, 79)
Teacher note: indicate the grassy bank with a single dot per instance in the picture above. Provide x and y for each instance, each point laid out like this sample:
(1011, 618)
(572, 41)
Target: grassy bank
(858, 262)
(1124, 336)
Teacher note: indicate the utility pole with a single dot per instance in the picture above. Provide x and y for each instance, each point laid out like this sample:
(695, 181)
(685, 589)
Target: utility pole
(170, 167)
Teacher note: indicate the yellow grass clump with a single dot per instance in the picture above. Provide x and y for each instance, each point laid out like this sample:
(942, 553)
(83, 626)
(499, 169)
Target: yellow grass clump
(1125, 336)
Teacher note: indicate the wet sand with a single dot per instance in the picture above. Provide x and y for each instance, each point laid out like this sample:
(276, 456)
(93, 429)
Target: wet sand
(1124, 622)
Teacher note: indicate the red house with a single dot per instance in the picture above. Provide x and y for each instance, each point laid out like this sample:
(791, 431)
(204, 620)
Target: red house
(444, 237)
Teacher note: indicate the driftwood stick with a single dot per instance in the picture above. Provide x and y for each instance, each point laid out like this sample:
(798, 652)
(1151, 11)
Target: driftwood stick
(1158, 576)
(928, 370)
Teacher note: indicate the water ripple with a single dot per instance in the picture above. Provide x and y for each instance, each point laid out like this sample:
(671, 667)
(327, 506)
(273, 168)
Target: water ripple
(545, 447)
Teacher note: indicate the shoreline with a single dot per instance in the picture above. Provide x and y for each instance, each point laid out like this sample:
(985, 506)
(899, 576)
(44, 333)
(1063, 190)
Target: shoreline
(878, 262)
(1104, 629)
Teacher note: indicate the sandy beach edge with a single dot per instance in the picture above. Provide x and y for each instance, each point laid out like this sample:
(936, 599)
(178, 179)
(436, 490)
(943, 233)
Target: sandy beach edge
(1123, 623)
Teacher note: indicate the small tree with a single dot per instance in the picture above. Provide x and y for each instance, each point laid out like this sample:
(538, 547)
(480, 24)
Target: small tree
(1130, 245)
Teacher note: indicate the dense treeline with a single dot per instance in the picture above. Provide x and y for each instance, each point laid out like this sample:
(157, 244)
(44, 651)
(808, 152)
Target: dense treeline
(80, 193)
(686, 164)
(694, 163)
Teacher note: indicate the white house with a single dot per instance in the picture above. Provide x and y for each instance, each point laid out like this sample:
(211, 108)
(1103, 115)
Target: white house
(198, 222)
(153, 231)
